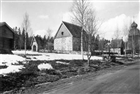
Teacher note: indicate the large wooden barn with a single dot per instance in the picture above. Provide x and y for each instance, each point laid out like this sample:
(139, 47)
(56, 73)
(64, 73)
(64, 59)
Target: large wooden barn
(6, 38)
(68, 38)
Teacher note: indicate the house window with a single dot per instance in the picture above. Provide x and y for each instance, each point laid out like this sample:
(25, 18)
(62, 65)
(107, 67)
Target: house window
(62, 33)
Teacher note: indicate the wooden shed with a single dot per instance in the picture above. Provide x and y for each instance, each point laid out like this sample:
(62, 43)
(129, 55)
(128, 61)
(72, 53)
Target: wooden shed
(6, 38)
(117, 46)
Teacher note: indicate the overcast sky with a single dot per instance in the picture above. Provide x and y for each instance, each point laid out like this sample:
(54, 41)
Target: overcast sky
(44, 14)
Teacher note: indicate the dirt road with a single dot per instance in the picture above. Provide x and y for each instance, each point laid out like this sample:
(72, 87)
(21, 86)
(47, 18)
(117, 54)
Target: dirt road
(124, 81)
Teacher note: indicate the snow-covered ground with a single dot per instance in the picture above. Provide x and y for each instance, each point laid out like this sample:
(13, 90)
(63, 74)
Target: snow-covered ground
(60, 62)
(51, 56)
(23, 52)
(9, 59)
(11, 69)
(54, 56)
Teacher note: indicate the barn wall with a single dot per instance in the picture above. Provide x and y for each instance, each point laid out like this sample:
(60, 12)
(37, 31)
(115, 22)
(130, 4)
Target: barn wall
(6, 32)
(76, 44)
(1, 42)
(65, 31)
(64, 43)
(6, 38)
(116, 50)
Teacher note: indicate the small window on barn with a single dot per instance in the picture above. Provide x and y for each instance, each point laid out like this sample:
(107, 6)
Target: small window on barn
(62, 33)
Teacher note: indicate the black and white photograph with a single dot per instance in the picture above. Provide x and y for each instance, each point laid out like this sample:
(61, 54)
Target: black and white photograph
(69, 46)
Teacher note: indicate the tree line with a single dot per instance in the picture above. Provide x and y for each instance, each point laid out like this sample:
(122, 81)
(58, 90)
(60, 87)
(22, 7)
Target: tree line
(19, 40)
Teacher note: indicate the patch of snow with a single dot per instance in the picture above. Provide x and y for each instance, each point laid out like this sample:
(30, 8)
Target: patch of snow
(96, 58)
(9, 59)
(45, 66)
(42, 57)
(23, 52)
(60, 62)
(53, 56)
(11, 69)
(118, 58)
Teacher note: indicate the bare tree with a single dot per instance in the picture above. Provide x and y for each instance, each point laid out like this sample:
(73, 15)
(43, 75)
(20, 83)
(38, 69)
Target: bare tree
(117, 33)
(79, 11)
(126, 31)
(26, 27)
(84, 15)
(90, 28)
(49, 32)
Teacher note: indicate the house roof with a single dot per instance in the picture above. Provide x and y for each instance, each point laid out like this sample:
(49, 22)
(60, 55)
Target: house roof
(36, 39)
(4, 23)
(116, 43)
(75, 30)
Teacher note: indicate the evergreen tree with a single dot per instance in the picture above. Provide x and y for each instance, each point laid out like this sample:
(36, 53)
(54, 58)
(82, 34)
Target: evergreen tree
(19, 39)
(15, 38)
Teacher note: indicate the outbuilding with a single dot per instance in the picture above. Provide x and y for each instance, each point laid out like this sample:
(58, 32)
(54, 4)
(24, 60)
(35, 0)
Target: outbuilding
(68, 38)
(117, 46)
(35, 44)
(6, 38)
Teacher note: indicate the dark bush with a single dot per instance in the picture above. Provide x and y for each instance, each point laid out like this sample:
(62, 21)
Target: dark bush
(69, 74)
(51, 72)
(15, 80)
(77, 63)
(3, 66)
(30, 68)
(41, 79)
(81, 71)
(52, 78)
(113, 58)
(47, 78)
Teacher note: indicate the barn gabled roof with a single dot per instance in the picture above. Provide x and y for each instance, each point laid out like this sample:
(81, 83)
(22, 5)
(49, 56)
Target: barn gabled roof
(36, 39)
(4, 23)
(32, 40)
(75, 30)
(117, 43)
